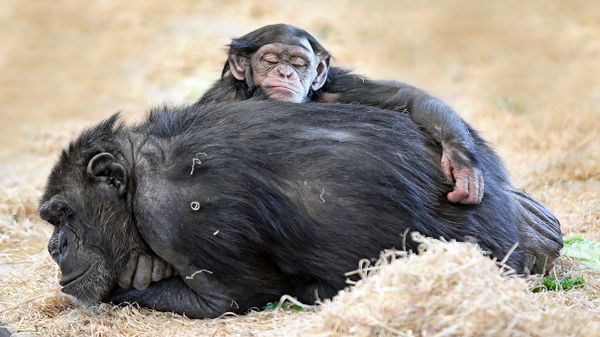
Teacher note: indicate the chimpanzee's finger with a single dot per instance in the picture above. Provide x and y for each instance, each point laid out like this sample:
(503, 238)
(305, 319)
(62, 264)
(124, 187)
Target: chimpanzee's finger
(461, 189)
(169, 271)
(126, 274)
(143, 272)
(473, 197)
(159, 268)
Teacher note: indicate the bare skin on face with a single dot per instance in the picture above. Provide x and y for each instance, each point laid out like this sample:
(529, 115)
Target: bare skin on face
(283, 71)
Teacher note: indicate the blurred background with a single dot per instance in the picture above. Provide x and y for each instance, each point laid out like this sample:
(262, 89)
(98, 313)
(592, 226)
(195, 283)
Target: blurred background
(525, 73)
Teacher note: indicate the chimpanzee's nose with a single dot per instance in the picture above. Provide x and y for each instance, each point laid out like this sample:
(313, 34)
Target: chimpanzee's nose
(45, 210)
(53, 248)
(285, 70)
(57, 246)
(52, 208)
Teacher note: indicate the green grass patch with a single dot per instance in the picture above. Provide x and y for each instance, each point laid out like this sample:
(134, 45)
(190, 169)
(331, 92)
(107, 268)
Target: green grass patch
(284, 306)
(584, 250)
(556, 284)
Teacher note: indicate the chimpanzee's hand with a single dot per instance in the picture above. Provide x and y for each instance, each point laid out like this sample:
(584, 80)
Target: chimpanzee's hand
(468, 179)
(141, 269)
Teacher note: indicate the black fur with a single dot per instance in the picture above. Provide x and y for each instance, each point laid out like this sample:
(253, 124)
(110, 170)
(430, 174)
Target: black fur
(291, 197)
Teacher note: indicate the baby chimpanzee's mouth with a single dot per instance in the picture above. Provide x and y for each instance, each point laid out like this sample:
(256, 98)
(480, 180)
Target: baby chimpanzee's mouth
(68, 279)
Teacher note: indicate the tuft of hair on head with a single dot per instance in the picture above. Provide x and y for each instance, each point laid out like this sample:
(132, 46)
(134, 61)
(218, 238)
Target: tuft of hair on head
(93, 140)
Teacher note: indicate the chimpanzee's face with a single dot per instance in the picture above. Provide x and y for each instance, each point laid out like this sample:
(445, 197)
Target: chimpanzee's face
(93, 231)
(85, 258)
(287, 71)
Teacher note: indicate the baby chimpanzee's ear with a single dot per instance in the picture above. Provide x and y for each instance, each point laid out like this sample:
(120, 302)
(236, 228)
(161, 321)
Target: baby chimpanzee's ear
(237, 66)
(322, 71)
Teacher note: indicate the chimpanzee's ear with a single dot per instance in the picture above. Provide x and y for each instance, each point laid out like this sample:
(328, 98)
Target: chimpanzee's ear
(237, 66)
(105, 169)
(322, 71)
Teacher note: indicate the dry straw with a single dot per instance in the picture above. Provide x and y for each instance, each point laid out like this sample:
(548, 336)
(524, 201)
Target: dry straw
(449, 289)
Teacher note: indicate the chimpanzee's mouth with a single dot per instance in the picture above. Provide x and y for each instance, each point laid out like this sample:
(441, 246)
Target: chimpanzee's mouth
(281, 88)
(71, 279)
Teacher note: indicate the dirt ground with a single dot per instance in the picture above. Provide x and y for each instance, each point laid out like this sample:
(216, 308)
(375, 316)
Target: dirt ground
(526, 74)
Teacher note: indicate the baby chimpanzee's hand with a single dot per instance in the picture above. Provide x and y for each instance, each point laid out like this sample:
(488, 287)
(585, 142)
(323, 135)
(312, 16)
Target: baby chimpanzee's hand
(468, 179)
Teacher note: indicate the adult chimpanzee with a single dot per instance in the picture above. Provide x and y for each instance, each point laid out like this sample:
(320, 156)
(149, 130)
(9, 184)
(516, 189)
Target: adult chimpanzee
(251, 200)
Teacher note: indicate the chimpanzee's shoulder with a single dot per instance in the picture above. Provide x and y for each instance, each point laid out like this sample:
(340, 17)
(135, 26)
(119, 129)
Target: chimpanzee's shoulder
(169, 121)
(172, 121)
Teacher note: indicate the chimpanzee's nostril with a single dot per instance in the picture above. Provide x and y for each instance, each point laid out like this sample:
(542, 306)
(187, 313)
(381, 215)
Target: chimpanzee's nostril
(53, 248)
(63, 245)
(54, 254)
(58, 244)
(44, 211)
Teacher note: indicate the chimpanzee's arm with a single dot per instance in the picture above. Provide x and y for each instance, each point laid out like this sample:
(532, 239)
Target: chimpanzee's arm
(173, 294)
(218, 93)
(436, 118)
(225, 90)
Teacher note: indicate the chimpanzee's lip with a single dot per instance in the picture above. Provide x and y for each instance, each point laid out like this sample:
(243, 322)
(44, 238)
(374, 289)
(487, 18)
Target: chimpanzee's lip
(63, 283)
(281, 88)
